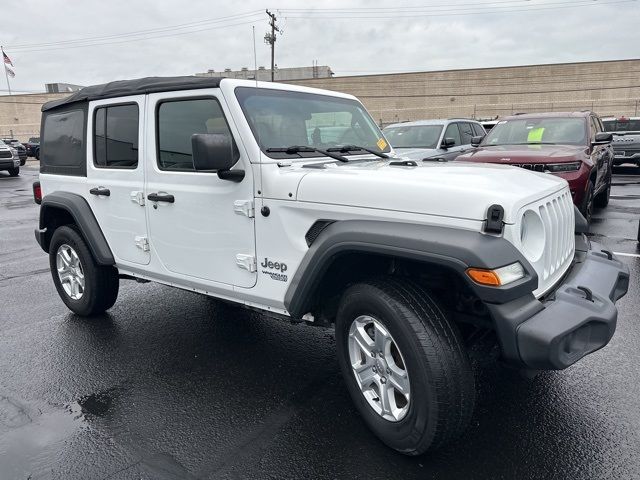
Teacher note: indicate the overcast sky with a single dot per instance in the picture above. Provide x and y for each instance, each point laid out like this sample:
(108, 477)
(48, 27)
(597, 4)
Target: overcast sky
(408, 39)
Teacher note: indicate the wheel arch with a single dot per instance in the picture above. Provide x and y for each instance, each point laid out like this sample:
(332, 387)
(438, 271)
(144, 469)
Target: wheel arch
(442, 248)
(64, 208)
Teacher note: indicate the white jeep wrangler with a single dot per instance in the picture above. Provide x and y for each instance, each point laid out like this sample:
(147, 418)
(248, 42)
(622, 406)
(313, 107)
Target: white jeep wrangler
(288, 200)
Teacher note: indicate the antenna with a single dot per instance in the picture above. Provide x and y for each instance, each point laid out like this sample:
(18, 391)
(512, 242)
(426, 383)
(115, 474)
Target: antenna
(255, 56)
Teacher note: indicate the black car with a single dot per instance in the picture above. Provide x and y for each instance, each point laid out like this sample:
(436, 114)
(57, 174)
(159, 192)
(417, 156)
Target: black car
(626, 140)
(22, 150)
(32, 145)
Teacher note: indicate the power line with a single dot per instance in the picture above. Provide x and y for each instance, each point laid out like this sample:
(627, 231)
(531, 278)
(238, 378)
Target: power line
(116, 38)
(363, 14)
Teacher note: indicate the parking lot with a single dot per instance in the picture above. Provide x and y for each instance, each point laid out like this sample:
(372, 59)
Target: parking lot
(173, 385)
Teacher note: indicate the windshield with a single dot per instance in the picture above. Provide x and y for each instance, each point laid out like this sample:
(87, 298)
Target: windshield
(625, 125)
(564, 131)
(281, 119)
(415, 136)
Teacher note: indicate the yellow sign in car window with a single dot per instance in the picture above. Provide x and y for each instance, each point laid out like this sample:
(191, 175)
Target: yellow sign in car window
(381, 144)
(535, 135)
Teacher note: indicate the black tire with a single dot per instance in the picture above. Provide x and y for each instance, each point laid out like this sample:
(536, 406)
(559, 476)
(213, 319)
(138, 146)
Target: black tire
(101, 282)
(602, 199)
(22, 162)
(441, 380)
(588, 202)
(14, 172)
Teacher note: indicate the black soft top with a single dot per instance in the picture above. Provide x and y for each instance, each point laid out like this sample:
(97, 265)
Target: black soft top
(138, 86)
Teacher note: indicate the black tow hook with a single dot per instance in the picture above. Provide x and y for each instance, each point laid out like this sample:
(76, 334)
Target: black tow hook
(588, 294)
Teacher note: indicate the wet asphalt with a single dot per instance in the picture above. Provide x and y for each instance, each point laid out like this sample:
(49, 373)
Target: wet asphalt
(173, 385)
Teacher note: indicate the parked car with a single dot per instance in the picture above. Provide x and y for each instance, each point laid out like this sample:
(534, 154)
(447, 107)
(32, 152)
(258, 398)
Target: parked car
(31, 145)
(433, 139)
(22, 150)
(571, 145)
(9, 159)
(626, 139)
(217, 186)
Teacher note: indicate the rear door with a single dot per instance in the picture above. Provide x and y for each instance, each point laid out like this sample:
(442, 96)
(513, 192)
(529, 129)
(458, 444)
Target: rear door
(115, 175)
(466, 134)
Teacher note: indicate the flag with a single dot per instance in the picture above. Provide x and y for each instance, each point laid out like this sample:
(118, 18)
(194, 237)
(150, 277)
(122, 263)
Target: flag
(7, 60)
(10, 72)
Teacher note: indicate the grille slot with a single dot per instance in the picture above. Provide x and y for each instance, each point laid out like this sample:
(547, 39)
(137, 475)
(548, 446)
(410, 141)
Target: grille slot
(558, 219)
(5, 154)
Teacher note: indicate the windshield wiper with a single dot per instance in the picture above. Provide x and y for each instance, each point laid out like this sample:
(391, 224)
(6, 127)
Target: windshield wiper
(294, 149)
(354, 148)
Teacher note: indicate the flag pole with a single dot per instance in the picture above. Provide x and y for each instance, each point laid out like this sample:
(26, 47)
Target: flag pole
(6, 75)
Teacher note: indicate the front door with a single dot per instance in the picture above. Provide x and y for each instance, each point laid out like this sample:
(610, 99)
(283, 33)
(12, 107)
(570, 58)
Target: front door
(451, 153)
(115, 176)
(200, 225)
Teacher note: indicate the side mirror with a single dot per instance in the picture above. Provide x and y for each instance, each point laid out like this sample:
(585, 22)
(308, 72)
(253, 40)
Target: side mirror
(448, 142)
(477, 140)
(216, 152)
(603, 138)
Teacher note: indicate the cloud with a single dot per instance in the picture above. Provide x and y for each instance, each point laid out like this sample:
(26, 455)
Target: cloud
(349, 46)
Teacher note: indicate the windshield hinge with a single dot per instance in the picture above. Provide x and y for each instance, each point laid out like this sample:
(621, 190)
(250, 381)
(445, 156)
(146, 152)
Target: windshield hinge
(246, 262)
(494, 222)
(244, 207)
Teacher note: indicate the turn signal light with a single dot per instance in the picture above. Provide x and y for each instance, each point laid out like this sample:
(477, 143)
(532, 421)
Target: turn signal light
(497, 277)
(484, 277)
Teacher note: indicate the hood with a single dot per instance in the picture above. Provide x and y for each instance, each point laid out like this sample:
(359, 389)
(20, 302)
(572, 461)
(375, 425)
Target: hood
(459, 190)
(416, 153)
(508, 154)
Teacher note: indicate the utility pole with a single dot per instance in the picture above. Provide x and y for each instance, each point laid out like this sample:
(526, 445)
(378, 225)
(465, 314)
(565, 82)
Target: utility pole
(270, 39)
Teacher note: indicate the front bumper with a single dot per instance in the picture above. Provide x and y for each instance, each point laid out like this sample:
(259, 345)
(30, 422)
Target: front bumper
(621, 157)
(577, 319)
(6, 163)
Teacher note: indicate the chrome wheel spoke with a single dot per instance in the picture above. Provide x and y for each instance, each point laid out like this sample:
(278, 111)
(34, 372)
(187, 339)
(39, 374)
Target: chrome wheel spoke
(70, 272)
(379, 368)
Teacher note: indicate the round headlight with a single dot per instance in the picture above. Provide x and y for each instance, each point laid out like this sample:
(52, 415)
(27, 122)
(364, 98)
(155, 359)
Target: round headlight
(532, 235)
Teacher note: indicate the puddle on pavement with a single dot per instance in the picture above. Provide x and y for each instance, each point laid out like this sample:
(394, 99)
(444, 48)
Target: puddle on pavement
(31, 438)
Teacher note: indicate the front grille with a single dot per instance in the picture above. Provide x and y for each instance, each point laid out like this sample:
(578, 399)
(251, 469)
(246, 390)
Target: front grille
(536, 167)
(5, 154)
(559, 225)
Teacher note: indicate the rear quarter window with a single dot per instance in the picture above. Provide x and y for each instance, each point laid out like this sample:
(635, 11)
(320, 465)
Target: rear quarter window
(63, 148)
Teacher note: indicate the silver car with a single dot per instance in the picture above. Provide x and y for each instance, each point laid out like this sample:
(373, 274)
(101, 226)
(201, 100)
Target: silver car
(433, 139)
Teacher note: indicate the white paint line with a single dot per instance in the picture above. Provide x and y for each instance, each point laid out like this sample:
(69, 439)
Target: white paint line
(636, 255)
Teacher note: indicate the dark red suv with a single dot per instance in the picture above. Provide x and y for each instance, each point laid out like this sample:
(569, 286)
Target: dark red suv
(572, 145)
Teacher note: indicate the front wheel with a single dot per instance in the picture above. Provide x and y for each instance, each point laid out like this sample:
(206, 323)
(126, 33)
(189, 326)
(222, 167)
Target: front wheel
(404, 364)
(14, 172)
(587, 203)
(602, 199)
(85, 287)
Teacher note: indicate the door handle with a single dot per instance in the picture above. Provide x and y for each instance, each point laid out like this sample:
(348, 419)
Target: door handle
(100, 191)
(161, 197)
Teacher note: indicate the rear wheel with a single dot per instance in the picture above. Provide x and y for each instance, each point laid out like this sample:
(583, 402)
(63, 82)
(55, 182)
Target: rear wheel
(14, 172)
(404, 365)
(85, 287)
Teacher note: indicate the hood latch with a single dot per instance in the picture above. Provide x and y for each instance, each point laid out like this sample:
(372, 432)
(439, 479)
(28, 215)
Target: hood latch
(494, 222)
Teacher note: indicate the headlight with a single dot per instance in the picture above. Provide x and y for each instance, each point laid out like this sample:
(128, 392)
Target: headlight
(498, 276)
(562, 167)
(13, 150)
(532, 236)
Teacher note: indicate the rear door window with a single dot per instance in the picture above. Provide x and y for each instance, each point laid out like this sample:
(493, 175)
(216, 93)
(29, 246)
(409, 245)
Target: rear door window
(115, 138)
(479, 131)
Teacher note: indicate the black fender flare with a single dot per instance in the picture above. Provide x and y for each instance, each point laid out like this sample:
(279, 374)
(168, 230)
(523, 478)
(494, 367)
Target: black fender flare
(454, 248)
(78, 208)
